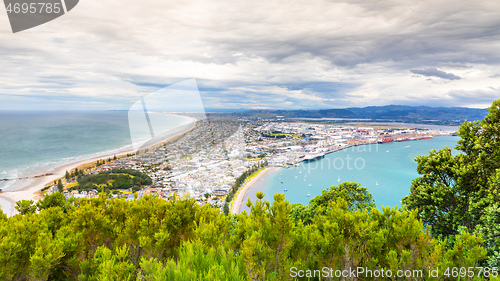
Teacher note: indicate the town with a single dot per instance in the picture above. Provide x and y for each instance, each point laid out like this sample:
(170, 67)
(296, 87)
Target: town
(205, 162)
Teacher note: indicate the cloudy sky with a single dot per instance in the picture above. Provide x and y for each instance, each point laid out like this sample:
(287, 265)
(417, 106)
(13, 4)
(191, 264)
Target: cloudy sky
(257, 54)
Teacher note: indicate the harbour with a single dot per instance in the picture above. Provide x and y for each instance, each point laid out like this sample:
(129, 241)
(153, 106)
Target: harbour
(385, 169)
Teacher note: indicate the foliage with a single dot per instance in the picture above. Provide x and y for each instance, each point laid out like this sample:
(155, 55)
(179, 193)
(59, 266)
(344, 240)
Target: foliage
(25, 206)
(462, 190)
(60, 186)
(239, 182)
(114, 179)
(351, 192)
(154, 239)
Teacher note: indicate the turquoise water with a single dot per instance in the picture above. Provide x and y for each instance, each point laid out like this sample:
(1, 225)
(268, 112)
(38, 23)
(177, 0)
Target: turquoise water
(385, 169)
(34, 142)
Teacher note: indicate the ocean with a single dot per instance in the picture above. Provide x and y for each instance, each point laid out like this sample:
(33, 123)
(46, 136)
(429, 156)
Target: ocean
(35, 142)
(387, 170)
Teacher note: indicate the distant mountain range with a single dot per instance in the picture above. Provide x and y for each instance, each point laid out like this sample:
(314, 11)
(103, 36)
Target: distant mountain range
(397, 113)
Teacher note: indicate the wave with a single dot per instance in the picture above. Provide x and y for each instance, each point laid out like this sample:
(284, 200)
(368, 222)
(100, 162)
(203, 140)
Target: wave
(28, 165)
(12, 175)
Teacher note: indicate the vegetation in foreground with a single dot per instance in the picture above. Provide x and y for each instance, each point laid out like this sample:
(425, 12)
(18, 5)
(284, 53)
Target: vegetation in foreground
(154, 239)
(462, 191)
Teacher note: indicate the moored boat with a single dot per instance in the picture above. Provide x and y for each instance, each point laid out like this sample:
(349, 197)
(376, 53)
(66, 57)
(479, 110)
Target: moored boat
(313, 157)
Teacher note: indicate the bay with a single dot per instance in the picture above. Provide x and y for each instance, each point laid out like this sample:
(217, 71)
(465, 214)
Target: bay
(387, 170)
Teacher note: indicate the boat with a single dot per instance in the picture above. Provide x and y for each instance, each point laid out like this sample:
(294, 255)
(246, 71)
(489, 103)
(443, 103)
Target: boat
(308, 194)
(376, 183)
(286, 190)
(313, 157)
(339, 178)
(386, 140)
(427, 137)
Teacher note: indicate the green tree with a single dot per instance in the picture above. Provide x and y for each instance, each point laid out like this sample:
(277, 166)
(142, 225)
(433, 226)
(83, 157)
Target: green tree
(456, 190)
(357, 198)
(154, 239)
(25, 207)
(107, 265)
(50, 201)
(60, 186)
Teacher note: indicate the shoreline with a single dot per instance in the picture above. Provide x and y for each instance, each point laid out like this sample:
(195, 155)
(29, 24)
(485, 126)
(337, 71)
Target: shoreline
(368, 143)
(31, 190)
(238, 201)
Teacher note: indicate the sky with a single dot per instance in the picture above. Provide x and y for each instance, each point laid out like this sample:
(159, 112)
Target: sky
(261, 54)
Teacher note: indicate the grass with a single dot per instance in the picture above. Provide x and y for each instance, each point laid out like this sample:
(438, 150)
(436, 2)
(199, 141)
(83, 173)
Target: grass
(71, 185)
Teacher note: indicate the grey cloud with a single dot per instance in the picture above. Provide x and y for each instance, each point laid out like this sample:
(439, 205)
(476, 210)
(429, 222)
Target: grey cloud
(479, 98)
(422, 34)
(238, 50)
(455, 65)
(434, 72)
(464, 97)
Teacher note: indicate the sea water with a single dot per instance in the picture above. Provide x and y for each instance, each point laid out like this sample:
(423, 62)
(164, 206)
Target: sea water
(387, 170)
(36, 142)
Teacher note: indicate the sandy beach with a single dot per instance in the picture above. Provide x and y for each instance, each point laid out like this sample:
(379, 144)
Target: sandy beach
(238, 202)
(31, 188)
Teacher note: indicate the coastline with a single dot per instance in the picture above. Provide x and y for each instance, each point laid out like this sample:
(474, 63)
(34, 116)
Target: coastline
(238, 202)
(387, 190)
(31, 189)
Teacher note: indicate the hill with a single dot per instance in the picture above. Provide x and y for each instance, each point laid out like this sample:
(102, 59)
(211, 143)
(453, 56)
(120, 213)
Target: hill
(396, 113)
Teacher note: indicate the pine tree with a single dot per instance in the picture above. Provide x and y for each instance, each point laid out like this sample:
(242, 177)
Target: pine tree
(60, 186)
